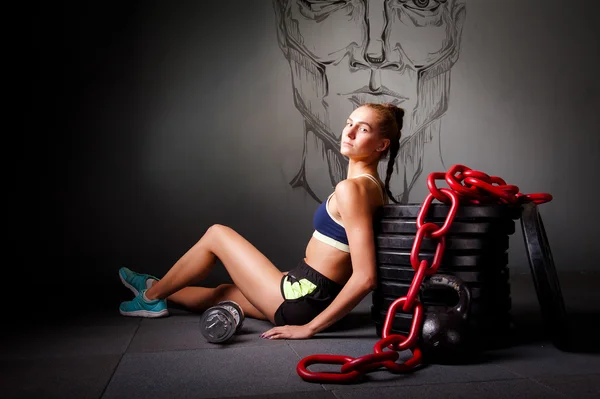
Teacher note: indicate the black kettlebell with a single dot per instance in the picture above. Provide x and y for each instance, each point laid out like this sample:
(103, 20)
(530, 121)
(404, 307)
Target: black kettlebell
(444, 334)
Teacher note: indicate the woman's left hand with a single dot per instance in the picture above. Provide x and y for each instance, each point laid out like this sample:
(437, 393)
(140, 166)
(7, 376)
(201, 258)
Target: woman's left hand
(288, 332)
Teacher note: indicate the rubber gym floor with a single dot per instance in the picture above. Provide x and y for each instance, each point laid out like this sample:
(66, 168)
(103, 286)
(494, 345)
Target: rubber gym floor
(91, 351)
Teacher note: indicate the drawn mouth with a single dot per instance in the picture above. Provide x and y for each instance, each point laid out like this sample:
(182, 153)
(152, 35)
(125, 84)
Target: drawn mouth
(358, 98)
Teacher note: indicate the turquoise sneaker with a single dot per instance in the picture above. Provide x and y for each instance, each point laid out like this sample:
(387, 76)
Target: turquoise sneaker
(140, 307)
(136, 282)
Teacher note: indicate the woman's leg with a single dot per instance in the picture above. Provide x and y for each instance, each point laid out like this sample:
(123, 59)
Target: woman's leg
(255, 277)
(198, 299)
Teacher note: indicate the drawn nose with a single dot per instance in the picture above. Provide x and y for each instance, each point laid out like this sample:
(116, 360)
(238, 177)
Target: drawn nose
(375, 52)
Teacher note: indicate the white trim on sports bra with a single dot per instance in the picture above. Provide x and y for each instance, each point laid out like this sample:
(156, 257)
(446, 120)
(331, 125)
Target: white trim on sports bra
(330, 241)
(374, 180)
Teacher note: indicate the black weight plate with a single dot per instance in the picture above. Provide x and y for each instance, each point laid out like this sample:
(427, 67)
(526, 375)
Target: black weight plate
(440, 211)
(477, 307)
(407, 273)
(446, 297)
(401, 226)
(490, 327)
(398, 289)
(494, 243)
(545, 278)
(487, 303)
(488, 244)
(488, 293)
(488, 336)
(472, 259)
(402, 322)
(477, 288)
(394, 330)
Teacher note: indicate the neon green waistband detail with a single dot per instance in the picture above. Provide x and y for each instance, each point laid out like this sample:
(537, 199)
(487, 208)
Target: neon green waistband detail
(297, 289)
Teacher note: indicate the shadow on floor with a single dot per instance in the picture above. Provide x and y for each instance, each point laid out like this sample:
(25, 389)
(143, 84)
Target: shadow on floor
(580, 335)
(353, 321)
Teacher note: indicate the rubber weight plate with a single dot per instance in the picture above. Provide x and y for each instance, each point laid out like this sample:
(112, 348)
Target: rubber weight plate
(474, 259)
(431, 296)
(486, 338)
(403, 320)
(434, 296)
(493, 328)
(407, 273)
(479, 307)
(398, 289)
(440, 211)
(494, 243)
(482, 307)
(489, 290)
(403, 226)
(545, 278)
(497, 243)
(401, 323)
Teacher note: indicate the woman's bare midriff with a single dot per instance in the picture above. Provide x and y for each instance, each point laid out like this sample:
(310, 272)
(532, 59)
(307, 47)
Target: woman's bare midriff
(329, 261)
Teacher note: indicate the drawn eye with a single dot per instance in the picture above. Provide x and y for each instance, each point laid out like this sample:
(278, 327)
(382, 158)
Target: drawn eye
(318, 5)
(422, 5)
(319, 8)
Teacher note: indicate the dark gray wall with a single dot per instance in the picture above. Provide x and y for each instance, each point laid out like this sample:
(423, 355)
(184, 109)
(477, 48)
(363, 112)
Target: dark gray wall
(151, 121)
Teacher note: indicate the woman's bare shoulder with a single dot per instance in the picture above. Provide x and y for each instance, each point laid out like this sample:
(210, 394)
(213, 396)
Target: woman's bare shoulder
(351, 187)
(353, 193)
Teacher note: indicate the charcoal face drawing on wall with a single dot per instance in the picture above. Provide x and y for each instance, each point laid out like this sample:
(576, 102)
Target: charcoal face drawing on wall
(343, 53)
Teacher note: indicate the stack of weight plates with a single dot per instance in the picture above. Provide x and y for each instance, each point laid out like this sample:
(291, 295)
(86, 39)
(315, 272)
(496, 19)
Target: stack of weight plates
(476, 252)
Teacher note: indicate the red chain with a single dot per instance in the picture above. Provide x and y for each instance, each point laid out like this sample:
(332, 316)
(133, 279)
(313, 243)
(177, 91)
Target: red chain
(467, 186)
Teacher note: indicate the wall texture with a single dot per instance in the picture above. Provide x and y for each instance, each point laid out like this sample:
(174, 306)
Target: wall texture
(154, 120)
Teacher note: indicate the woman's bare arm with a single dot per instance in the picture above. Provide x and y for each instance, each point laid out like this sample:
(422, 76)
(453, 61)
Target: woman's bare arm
(353, 203)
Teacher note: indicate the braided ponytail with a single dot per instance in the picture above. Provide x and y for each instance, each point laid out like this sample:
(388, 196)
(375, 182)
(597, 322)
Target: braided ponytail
(394, 148)
(391, 128)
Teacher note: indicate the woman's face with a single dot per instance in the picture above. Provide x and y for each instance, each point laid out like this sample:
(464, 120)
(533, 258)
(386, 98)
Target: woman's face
(361, 135)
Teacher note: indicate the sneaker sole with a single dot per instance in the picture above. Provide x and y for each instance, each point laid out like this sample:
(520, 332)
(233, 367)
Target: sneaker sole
(126, 284)
(146, 313)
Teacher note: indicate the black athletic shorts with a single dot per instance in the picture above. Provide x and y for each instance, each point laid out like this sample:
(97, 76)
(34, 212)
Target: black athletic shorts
(306, 293)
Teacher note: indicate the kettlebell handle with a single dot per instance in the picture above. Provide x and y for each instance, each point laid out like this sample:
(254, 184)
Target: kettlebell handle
(450, 281)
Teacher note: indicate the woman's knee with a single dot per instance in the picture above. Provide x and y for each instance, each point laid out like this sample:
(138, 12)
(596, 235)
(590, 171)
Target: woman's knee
(211, 235)
(217, 231)
(231, 292)
(224, 292)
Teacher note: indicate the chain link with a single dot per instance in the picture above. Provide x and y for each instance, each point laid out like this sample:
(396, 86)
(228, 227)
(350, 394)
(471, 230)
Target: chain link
(467, 186)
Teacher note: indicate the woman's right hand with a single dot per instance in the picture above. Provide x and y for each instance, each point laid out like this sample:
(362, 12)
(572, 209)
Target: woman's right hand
(288, 332)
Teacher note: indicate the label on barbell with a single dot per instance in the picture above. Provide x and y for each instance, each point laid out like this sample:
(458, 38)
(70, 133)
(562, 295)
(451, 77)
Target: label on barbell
(234, 313)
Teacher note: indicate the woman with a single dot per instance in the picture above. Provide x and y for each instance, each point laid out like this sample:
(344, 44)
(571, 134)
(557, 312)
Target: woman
(338, 270)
